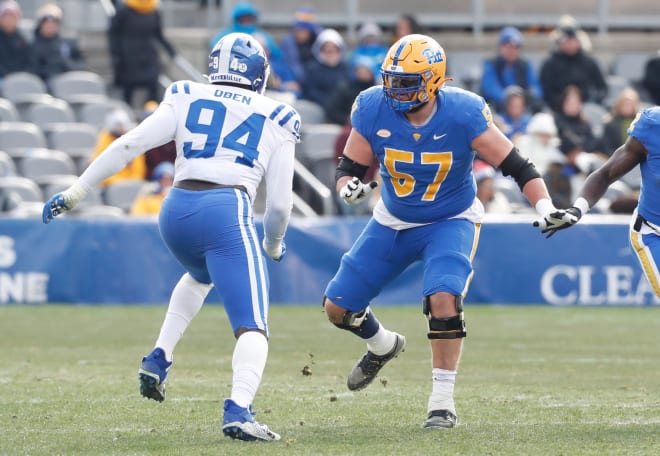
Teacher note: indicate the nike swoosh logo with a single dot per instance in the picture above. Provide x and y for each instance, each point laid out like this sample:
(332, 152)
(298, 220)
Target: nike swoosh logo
(436, 137)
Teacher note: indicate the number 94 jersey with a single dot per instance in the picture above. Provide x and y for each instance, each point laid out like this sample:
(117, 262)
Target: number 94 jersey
(227, 134)
(426, 170)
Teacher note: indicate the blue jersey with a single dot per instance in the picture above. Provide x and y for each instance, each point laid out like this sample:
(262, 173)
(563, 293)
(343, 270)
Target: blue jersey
(426, 170)
(646, 129)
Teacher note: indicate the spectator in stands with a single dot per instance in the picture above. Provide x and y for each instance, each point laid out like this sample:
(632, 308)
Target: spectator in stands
(492, 200)
(541, 145)
(150, 201)
(570, 64)
(281, 78)
(575, 133)
(296, 45)
(245, 19)
(508, 69)
(406, 24)
(514, 117)
(54, 54)
(622, 114)
(134, 31)
(338, 107)
(328, 69)
(370, 46)
(16, 53)
(165, 153)
(651, 79)
(116, 124)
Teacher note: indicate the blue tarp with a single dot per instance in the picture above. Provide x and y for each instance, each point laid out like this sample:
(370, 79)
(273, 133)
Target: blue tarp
(124, 261)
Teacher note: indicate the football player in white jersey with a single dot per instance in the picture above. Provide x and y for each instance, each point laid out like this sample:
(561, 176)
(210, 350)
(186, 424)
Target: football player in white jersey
(228, 137)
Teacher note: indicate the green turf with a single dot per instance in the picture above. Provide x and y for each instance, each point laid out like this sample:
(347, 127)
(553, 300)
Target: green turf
(533, 381)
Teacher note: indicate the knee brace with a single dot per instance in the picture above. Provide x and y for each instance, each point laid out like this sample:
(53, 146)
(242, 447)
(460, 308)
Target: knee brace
(353, 320)
(445, 328)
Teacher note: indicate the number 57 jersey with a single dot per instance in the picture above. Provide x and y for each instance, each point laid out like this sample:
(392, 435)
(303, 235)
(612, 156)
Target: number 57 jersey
(426, 170)
(228, 135)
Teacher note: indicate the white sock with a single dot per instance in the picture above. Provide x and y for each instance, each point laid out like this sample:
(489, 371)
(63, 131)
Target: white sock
(382, 342)
(442, 397)
(187, 298)
(248, 363)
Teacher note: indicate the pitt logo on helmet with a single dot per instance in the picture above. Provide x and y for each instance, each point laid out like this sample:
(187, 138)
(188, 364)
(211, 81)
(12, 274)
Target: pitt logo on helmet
(432, 55)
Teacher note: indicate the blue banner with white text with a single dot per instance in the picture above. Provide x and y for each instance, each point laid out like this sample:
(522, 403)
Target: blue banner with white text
(125, 262)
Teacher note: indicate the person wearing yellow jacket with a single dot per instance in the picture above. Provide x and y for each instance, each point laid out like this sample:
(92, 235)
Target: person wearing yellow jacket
(116, 124)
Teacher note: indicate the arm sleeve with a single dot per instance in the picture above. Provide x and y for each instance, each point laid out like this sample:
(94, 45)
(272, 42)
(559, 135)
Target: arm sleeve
(157, 129)
(279, 194)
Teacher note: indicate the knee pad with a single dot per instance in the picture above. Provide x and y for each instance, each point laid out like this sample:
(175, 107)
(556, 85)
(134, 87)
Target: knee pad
(445, 328)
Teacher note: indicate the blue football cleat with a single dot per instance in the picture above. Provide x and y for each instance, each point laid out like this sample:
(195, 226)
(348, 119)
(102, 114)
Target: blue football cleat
(152, 375)
(239, 423)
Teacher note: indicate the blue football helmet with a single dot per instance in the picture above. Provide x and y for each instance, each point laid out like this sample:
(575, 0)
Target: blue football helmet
(413, 71)
(239, 58)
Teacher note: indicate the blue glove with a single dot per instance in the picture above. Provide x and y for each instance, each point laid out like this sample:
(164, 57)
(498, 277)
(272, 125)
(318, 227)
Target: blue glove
(53, 207)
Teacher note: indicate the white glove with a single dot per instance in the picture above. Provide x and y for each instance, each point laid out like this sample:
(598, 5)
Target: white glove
(355, 190)
(276, 251)
(553, 219)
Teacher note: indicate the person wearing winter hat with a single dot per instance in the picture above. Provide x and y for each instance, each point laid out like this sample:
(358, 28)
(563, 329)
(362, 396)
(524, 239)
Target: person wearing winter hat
(328, 69)
(54, 54)
(296, 45)
(16, 53)
(509, 68)
(117, 123)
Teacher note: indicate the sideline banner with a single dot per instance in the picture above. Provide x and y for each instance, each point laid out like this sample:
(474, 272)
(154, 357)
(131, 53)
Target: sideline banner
(125, 262)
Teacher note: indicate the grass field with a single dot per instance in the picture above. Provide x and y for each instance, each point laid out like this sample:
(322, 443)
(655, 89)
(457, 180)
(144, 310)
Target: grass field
(533, 381)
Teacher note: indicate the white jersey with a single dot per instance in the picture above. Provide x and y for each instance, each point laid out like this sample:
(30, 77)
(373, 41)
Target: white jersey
(228, 135)
(223, 134)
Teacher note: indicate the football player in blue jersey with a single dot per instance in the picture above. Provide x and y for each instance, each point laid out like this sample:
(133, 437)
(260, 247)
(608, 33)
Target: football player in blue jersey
(228, 138)
(641, 148)
(424, 135)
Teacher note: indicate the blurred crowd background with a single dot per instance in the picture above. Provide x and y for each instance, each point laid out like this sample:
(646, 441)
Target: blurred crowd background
(564, 81)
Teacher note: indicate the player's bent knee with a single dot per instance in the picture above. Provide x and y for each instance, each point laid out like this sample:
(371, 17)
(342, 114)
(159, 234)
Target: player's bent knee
(452, 327)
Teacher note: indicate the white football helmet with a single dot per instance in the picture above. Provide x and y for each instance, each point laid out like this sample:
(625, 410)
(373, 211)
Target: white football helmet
(239, 58)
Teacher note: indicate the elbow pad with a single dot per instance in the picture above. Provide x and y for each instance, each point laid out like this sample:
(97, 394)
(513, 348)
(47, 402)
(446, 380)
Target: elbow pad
(521, 169)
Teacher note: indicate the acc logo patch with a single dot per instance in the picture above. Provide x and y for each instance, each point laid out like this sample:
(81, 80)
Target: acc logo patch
(383, 133)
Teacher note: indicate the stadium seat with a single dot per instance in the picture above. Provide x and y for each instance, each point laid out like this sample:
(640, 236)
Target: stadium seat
(95, 111)
(21, 85)
(46, 115)
(7, 165)
(311, 113)
(75, 139)
(26, 188)
(122, 193)
(8, 111)
(37, 163)
(76, 86)
(630, 65)
(51, 185)
(318, 141)
(16, 137)
(467, 66)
